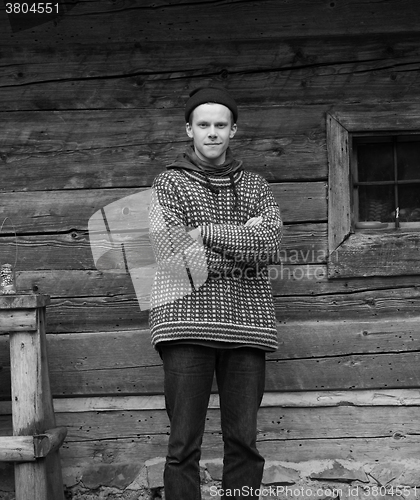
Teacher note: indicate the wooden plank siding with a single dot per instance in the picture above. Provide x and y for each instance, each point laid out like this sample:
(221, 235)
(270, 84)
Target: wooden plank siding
(91, 110)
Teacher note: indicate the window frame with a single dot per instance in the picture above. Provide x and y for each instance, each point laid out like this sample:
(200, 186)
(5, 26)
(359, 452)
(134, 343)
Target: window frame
(384, 138)
(385, 252)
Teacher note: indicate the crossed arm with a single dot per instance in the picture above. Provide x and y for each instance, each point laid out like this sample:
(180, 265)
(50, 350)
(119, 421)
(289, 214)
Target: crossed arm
(253, 221)
(225, 245)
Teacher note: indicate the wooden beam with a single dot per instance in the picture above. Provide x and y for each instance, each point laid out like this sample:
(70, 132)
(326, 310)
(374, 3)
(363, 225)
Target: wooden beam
(49, 441)
(166, 21)
(19, 320)
(69, 209)
(17, 449)
(306, 399)
(377, 254)
(29, 448)
(339, 212)
(23, 301)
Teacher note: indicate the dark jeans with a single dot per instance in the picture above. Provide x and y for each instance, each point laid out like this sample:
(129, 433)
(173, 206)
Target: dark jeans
(240, 375)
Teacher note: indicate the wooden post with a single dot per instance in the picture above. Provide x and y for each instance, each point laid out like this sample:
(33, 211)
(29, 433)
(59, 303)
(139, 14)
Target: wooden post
(23, 317)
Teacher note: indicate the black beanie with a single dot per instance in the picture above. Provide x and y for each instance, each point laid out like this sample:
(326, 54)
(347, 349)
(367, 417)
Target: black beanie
(203, 95)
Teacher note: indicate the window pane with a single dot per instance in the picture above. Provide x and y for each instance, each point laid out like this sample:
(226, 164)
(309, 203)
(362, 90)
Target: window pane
(376, 203)
(408, 154)
(375, 162)
(409, 199)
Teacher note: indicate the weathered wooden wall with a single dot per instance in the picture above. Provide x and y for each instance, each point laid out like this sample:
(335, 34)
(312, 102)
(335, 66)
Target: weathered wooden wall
(91, 109)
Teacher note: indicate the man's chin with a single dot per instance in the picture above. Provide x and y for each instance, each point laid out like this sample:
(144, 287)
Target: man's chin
(210, 156)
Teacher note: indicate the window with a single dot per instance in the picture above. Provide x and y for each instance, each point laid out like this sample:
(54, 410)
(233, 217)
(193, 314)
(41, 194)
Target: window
(386, 181)
(374, 192)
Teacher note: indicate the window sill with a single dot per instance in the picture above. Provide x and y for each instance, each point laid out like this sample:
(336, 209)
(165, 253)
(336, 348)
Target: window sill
(390, 226)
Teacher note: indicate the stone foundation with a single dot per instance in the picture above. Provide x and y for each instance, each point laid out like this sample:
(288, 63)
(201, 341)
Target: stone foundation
(317, 480)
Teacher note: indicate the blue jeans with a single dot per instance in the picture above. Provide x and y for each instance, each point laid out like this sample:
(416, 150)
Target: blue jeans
(240, 375)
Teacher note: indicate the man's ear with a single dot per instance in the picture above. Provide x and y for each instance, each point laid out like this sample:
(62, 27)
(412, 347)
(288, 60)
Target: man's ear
(188, 128)
(233, 130)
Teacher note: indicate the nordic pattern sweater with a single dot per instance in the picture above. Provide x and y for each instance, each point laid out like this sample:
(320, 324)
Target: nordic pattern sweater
(216, 289)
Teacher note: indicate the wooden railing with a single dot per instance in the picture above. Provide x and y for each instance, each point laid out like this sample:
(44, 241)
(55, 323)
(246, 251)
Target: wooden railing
(34, 446)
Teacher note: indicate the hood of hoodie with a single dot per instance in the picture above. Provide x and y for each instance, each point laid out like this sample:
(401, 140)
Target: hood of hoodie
(190, 161)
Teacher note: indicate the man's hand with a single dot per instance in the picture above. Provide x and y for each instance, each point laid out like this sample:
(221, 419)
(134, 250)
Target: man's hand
(195, 234)
(253, 221)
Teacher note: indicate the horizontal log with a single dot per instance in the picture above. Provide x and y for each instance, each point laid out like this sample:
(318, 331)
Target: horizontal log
(351, 77)
(365, 305)
(23, 301)
(45, 132)
(364, 450)
(290, 435)
(193, 22)
(18, 321)
(379, 254)
(127, 60)
(285, 158)
(301, 399)
(69, 256)
(395, 428)
(60, 211)
(305, 278)
(49, 441)
(124, 363)
(17, 449)
(313, 339)
(113, 311)
(140, 449)
(273, 423)
(340, 422)
(28, 448)
(345, 373)
(379, 118)
(298, 276)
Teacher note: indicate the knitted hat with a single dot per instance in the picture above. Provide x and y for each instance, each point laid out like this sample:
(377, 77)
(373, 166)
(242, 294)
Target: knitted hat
(203, 95)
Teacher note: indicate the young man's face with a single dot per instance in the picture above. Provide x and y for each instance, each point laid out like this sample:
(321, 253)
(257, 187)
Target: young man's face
(211, 129)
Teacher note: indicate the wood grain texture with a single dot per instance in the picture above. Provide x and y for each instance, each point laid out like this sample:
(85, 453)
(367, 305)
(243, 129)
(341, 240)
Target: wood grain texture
(313, 356)
(285, 158)
(22, 320)
(302, 272)
(159, 74)
(339, 208)
(9, 303)
(303, 294)
(47, 255)
(380, 254)
(358, 431)
(63, 211)
(185, 21)
(166, 61)
(16, 448)
(36, 132)
(345, 430)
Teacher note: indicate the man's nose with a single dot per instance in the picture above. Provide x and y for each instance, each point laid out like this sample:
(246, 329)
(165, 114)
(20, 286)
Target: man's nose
(212, 131)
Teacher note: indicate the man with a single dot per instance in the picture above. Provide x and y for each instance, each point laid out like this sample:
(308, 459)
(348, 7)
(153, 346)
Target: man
(220, 319)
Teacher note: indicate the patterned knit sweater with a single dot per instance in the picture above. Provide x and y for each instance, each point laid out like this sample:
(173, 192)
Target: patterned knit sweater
(217, 288)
